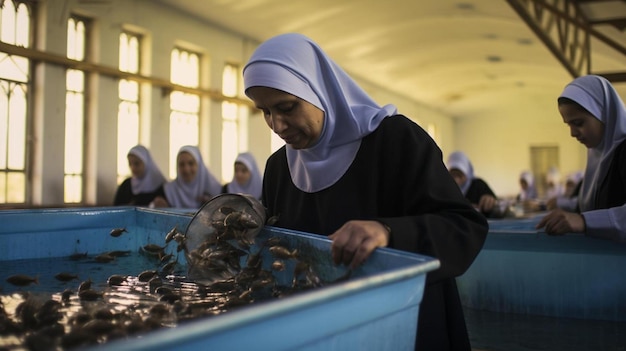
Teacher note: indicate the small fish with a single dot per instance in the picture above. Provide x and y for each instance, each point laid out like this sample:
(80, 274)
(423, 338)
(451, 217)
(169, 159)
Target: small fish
(145, 276)
(272, 220)
(86, 285)
(118, 231)
(104, 258)
(65, 296)
(78, 256)
(240, 221)
(226, 210)
(169, 267)
(119, 253)
(66, 277)
(153, 248)
(170, 236)
(90, 294)
(116, 279)
(278, 266)
(283, 252)
(22, 280)
(166, 258)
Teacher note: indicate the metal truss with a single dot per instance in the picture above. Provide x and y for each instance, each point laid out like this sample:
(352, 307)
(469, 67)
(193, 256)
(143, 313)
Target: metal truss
(566, 31)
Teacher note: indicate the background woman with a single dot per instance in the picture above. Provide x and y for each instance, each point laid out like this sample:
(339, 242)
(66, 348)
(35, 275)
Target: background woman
(145, 183)
(247, 179)
(596, 117)
(476, 190)
(194, 184)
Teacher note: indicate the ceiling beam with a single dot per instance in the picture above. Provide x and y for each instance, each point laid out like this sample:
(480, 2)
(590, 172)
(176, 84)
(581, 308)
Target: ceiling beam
(564, 29)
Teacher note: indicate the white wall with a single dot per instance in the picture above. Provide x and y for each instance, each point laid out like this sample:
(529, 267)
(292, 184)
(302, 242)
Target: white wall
(499, 146)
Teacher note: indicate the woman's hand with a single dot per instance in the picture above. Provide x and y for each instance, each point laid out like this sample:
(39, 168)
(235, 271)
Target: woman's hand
(559, 222)
(160, 201)
(551, 204)
(487, 203)
(355, 241)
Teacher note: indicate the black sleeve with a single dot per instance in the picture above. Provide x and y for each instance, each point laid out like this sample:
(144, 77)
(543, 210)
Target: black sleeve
(124, 194)
(438, 220)
(477, 189)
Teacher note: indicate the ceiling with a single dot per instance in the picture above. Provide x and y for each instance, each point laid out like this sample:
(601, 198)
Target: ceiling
(466, 58)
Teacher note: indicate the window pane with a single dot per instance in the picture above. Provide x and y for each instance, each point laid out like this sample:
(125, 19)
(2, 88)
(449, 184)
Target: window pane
(183, 131)
(72, 188)
(22, 26)
(128, 90)
(3, 187)
(127, 137)
(14, 67)
(17, 129)
(75, 80)
(184, 102)
(4, 123)
(16, 187)
(229, 111)
(229, 81)
(74, 133)
(229, 148)
(8, 22)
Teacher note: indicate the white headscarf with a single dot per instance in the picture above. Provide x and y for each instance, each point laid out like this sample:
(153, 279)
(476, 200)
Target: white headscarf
(458, 160)
(255, 183)
(152, 177)
(298, 66)
(531, 192)
(189, 195)
(597, 95)
(553, 176)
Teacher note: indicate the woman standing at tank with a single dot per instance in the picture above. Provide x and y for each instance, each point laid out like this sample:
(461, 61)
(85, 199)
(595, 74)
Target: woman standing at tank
(363, 175)
(596, 117)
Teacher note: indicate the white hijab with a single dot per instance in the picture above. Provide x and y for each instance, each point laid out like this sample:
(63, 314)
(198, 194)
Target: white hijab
(458, 160)
(531, 192)
(255, 183)
(152, 177)
(189, 195)
(296, 65)
(597, 95)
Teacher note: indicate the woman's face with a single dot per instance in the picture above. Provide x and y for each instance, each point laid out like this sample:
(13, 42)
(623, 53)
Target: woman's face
(459, 177)
(137, 168)
(294, 120)
(242, 174)
(187, 167)
(583, 126)
(523, 183)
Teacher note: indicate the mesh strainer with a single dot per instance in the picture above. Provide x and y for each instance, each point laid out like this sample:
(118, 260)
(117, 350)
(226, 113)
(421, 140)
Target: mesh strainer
(226, 222)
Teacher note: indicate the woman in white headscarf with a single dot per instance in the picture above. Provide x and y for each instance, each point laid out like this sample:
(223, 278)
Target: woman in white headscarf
(569, 199)
(476, 190)
(596, 116)
(528, 191)
(554, 188)
(246, 179)
(194, 184)
(363, 175)
(145, 183)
